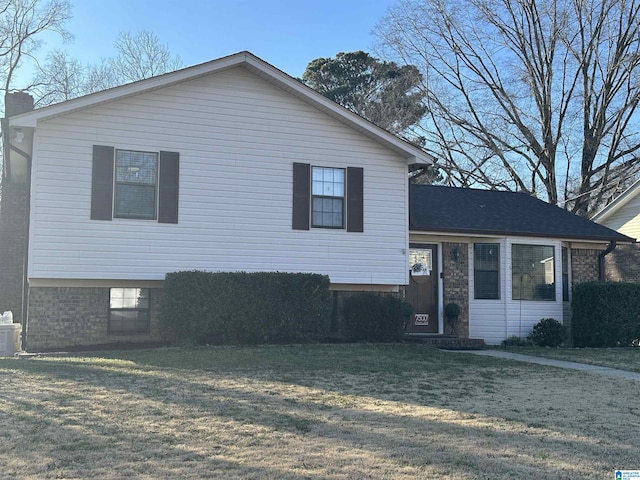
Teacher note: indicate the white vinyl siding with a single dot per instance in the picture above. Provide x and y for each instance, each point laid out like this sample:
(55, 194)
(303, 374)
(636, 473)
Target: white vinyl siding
(626, 219)
(238, 137)
(495, 320)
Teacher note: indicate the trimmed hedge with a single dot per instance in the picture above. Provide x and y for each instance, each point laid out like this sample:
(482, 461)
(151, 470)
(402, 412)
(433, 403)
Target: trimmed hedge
(375, 318)
(605, 314)
(244, 308)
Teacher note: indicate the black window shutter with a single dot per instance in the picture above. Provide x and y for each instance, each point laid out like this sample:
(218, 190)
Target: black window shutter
(301, 195)
(102, 183)
(168, 186)
(355, 192)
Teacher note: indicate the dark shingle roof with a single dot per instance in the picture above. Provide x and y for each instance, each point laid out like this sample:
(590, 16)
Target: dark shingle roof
(471, 211)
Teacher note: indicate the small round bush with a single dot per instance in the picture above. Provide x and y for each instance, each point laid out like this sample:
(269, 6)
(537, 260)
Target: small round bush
(548, 332)
(452, 310)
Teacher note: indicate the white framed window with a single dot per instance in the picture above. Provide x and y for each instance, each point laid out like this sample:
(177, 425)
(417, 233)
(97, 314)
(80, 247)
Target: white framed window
(533, 272)
(486, 271)
(129, 310)
(136, 184)
(327, 197)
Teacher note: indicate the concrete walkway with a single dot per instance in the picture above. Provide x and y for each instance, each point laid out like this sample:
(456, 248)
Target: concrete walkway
(609, 372)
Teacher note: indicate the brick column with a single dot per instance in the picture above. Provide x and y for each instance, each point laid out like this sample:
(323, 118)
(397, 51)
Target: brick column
(455, 266)
(584, 265)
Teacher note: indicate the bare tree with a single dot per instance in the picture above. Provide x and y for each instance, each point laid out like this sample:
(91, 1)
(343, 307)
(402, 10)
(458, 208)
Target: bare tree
(138, 57)
(60, 78)
(142, 56)
(21, 23)
(530, 95)
(100, 76)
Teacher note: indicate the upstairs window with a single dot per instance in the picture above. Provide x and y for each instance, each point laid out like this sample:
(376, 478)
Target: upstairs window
(486, 271)
(328, 197)
(129, 310)
(533, 270)
(327, 206)
(136, 184)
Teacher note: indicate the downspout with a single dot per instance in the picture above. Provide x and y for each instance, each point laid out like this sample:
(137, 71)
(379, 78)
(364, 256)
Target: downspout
(608, 250)
(6, 172)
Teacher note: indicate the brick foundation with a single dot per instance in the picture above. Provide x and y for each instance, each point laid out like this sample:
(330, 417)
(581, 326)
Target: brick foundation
(337, 304)
(74, 316)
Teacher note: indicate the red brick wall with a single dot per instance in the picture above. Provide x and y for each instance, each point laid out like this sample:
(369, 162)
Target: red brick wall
(584, 265)
(623, 264)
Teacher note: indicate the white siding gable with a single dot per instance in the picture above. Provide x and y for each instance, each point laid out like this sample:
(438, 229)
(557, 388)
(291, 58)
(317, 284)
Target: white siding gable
(238, 137)
(626, 219)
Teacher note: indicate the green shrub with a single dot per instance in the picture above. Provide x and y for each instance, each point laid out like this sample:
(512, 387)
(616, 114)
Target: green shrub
(452, 310)
(605, 314)
(244, 308)
(548, 332)
(375, 318)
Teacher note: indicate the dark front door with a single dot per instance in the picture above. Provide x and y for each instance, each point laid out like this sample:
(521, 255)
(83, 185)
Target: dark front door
(422, 291)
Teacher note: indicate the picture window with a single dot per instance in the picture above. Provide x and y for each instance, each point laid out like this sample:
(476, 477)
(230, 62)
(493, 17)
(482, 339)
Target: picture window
(533, 272)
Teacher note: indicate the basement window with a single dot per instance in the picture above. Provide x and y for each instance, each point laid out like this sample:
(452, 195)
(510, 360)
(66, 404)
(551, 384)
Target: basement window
(129, 310)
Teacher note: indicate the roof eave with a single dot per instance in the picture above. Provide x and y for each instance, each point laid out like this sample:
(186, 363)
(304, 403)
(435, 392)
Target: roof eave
(619, 238)
(624, 198)
(30, 119)
(410, 153)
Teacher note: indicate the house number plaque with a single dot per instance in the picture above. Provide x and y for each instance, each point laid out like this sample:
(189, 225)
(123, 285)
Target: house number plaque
(421, 319)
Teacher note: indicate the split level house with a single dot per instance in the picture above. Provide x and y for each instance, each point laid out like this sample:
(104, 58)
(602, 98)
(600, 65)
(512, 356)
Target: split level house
(232, 165)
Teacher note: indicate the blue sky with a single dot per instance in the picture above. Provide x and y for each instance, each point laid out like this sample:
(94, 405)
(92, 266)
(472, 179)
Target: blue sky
(285, 33)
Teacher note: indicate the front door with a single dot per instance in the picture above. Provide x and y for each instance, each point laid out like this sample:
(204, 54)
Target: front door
(422, 291)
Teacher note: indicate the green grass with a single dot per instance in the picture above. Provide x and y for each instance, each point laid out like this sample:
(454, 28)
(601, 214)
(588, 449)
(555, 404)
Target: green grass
(310, 412)
(623, 358)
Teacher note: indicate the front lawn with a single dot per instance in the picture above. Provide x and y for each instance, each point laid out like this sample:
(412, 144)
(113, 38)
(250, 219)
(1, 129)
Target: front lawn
(311, 412)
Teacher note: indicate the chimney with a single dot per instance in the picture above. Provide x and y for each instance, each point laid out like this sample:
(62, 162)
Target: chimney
(17, 103)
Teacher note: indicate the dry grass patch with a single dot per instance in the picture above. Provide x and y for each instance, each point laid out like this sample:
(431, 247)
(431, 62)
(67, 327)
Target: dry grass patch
(305, 412)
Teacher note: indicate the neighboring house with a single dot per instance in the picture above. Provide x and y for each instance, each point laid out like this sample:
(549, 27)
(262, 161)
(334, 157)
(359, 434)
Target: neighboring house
(230, 165)
(507, 259)
(233, 165)
(623, 215)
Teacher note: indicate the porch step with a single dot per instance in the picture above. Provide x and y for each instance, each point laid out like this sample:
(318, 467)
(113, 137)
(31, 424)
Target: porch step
(446, 342)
